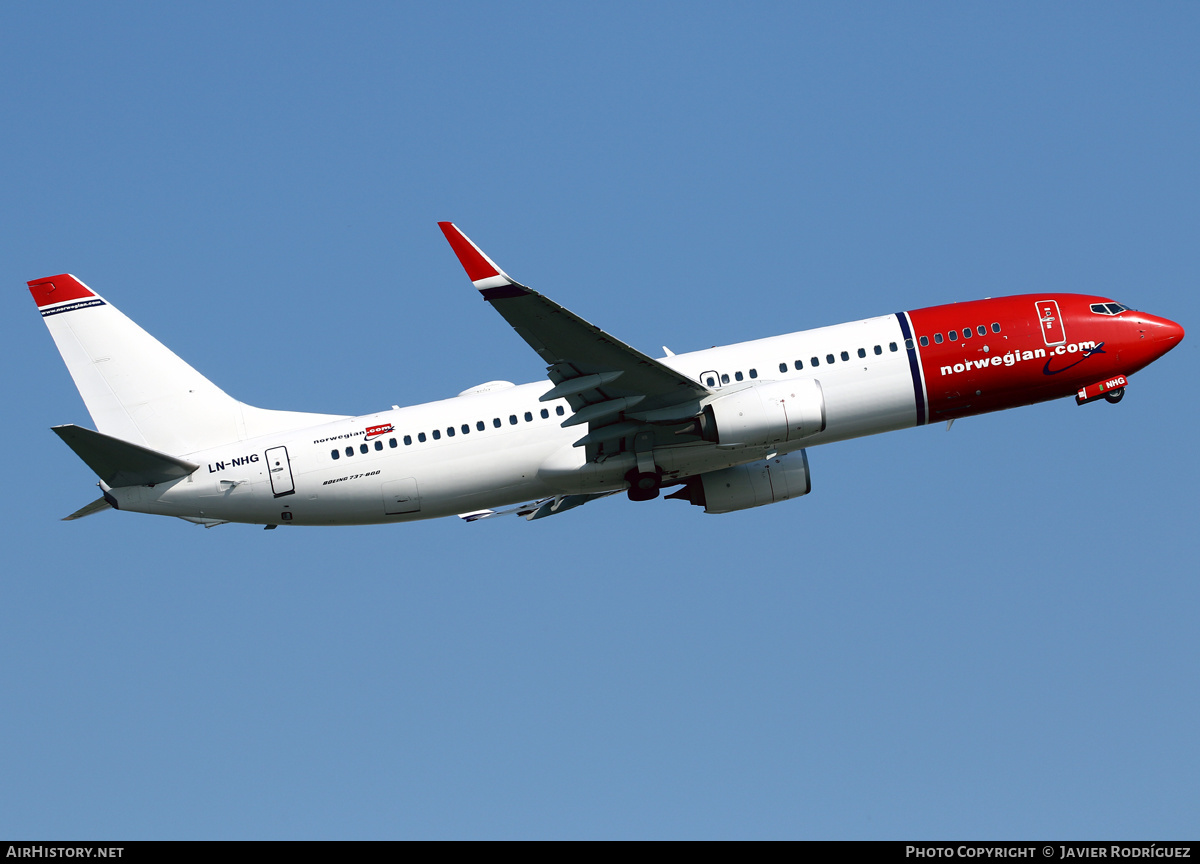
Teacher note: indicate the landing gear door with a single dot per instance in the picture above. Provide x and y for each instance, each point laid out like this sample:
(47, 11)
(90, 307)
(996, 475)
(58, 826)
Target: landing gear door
(1051, 322)
(280, 468)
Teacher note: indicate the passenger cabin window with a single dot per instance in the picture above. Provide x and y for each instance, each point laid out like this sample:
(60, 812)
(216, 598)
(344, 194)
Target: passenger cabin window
(480, 425)
(392, 443)
(924, 341)
(878, 349)
(545, 413)
(737, 376)
(862, 352)
(449, 431)
(829, 358)
(421, 437)
(349, 451)
(953, 334)
(528, 416)
(937, 337)
(496, 422)
(845, 356)
(799, 365)
(908, 343)
(466, 428)
(407, 440)
(996, 327)
(981, 330)
(966, 332)
(753, 373)
(724, 377)
(782, 367)
(335, 454)
(558, 410)
(710, 381)
(892, 346)
(363, 448)
(512, 419)
(378, 445)
(437, 434)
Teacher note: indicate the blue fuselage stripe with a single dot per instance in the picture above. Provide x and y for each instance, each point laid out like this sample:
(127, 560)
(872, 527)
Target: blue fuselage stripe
(911, 346)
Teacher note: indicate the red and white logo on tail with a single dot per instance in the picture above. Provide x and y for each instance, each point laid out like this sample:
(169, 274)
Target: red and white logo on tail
(51, 294)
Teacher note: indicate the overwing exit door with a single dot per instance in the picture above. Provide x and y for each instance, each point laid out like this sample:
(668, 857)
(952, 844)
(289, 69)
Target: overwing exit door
(280, 468)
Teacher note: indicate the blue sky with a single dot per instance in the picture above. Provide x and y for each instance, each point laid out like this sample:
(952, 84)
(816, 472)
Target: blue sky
(982, 633)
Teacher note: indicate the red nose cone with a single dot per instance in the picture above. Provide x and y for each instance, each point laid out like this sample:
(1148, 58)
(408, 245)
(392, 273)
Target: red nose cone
(1163, 334)
(1165, 331)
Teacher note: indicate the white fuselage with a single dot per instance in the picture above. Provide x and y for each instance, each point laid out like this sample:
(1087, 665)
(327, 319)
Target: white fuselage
(452, 466)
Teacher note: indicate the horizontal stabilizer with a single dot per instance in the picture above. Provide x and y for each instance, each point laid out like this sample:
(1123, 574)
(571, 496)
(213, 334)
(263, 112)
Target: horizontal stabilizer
(120, 463)
(95, 507)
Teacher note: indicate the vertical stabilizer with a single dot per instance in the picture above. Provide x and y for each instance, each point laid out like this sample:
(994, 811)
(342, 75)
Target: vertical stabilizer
(137, 389)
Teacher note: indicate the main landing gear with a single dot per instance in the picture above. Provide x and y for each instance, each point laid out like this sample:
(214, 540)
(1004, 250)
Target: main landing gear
(644, 485)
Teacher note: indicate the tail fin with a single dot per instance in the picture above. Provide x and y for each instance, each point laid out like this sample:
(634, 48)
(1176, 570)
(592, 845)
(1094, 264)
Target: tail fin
(134, 387)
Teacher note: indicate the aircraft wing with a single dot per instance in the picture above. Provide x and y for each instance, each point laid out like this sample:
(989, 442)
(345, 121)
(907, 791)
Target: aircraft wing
(539, 509)
(607, 383)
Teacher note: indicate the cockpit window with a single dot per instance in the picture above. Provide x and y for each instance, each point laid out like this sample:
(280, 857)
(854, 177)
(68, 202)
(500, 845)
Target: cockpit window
(1109, 308)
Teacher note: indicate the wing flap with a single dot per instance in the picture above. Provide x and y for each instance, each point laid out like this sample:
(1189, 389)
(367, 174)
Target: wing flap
(539, 509)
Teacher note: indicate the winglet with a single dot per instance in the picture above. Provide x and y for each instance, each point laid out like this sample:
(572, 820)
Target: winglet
(491, 281)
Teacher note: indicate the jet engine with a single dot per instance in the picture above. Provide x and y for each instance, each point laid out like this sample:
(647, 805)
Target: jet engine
(744, 486)
(764, 415)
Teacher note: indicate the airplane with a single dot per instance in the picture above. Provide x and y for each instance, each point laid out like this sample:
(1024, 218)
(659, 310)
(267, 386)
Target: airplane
(729, 426)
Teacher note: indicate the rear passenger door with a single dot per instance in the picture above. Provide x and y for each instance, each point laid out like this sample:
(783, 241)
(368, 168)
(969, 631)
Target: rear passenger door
(280, 469)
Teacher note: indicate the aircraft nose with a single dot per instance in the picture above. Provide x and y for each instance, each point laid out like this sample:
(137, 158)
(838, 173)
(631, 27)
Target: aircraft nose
(1167, 330)
(1164, 333)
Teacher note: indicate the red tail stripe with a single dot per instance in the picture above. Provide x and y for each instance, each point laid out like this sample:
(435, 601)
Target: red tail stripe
(58, 289)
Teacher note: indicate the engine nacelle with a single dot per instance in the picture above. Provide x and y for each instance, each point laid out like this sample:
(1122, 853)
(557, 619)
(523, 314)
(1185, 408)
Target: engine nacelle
(767, 414)
(744, 486)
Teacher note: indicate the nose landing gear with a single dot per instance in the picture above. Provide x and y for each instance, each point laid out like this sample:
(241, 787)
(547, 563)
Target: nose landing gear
(1112, 389)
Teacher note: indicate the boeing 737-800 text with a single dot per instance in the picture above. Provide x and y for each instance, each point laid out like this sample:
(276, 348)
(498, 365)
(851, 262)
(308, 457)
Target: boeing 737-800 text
(729, 425)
